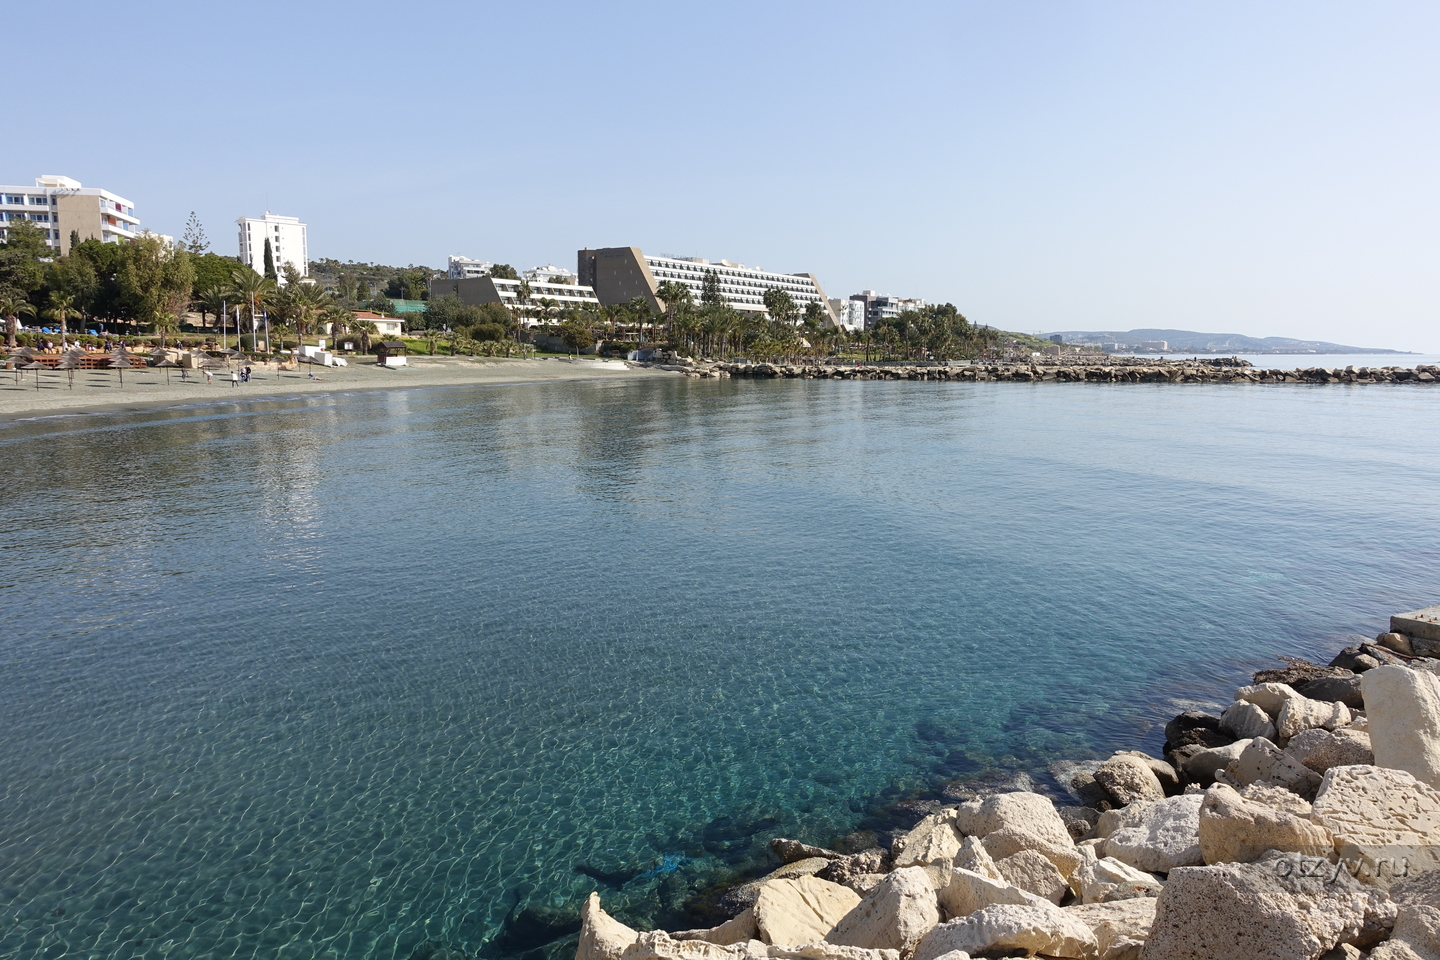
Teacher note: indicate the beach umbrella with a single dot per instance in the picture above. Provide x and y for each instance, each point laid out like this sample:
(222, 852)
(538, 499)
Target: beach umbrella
(37, 366)
(70, 362)
(119, 363)
(20, 353)
(167, 363)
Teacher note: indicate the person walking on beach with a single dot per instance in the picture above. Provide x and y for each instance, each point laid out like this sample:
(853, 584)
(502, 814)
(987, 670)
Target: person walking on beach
(209, 377)
(234, 378)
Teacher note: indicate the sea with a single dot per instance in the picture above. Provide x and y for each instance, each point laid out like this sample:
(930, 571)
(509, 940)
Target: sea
(408, 674)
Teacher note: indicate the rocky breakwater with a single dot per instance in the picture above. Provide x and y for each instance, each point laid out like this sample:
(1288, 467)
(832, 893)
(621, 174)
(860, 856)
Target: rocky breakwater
(1301, 822)
(1071, 372)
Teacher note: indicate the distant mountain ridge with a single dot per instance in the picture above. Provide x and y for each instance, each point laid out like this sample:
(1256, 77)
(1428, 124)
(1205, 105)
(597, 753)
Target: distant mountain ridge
(1189, 341)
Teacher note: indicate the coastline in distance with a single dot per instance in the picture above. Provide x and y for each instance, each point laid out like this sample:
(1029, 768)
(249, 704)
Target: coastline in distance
(1189, 341)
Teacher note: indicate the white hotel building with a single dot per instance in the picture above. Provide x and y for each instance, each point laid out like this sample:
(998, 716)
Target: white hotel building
(58, 205)
(619, 273)
(288, 244)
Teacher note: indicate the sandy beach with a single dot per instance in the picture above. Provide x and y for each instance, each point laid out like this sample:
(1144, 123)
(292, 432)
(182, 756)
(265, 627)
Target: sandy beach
(98, 391)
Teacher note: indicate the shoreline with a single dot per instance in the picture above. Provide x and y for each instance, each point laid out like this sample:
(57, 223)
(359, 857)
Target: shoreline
(99, 391)
(1115, 370)
(1302, 821)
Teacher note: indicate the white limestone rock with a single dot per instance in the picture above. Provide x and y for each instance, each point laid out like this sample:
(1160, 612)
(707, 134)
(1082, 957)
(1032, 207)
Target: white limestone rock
(1286, 908)
(824, 951)
(1161, 836)
(1032, 872)
(1385, 822)
(1416, 935)
(974, 857)
(1235, 830)
(602, 937)
(1270, 697)
(1263, 762)
(1010, 822)
(933, 838)
(658, 945)
(1276, 798)
(801, 910)
(1201, 767)
(1403, 720)
(1120, 927)
(895, 915)
(1244, 720)
(968, 892)
(1307, 714)
(1037, 929)
(738, 929)
(1128, 779)
(1107, 880)
(1321, 749)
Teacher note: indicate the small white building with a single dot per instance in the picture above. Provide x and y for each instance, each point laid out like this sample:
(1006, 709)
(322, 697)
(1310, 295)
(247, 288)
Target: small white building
(549, 274)
(463, 268)
(849, 314)
(288, 243)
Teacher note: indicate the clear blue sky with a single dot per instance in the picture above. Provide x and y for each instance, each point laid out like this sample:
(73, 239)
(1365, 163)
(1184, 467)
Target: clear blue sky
(1268, 169)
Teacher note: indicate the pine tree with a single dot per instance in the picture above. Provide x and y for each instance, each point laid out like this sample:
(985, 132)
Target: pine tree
(194, 239)
(269, 260)
(710, 294)
(74, 239)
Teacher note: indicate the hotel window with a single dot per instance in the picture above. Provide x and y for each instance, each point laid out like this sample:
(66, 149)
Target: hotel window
(39, 201)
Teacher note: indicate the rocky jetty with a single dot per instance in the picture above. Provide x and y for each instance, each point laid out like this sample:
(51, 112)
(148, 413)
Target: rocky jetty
(1300, 823)
(1112, 370)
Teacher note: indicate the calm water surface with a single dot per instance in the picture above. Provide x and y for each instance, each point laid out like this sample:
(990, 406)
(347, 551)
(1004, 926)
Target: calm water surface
(340, 676)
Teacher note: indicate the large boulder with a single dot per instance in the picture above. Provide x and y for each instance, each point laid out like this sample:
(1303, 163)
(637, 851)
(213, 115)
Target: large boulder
(1287, 908)
(1032, 872)
(602, 937)
(933, 838)
(1416, 936)
(738, 929)
(802, 910)
(1127, 779)
(1200, 767)
(974, 857)
(1403, 719)
(895, 915)
(659, 945)
(1160, 836)
(1386, 824)
(791, 850)
(1307, 714)
(1346, 690)
(1235, 830)
(968, 892)
(1120, 927)
(1246, 721)
(1270, 697)
(1010, 822)
(1322, 749)
(866, 862)
(1277, 798)
(1106, 880)
(1036, 929)
(1263, 762)
(1165, 773)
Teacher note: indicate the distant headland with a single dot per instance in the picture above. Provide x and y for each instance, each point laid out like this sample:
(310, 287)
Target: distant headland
(1188, 341)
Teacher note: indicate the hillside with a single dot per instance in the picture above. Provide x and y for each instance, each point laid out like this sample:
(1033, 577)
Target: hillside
(1189, 341)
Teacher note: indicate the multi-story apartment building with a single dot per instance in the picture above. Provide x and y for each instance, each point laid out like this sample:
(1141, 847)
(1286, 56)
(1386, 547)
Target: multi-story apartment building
(549, 274)
(462, 268)
(850, 314)
(619, 274)
(59, 205)
(487, 289)
(879, 307)
(288, 243)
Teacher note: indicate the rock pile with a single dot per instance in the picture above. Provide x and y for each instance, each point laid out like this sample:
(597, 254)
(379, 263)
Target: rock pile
(1301, 823)
(1109, 371)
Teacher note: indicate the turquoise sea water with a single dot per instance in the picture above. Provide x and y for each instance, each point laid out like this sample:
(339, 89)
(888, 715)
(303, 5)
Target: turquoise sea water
(345, 676)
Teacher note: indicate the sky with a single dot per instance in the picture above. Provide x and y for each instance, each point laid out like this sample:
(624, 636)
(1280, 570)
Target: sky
(1268, 169)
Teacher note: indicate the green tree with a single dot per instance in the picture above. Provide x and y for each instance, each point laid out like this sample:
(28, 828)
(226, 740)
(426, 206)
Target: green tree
(576, 335)
(22, 267)
(522, 300)
(503, 271)
(269, 261)
(157, 281)
(104, 262)
(212, 270)
(75, 275)
(815, 315)
(12, 307)
(251, 291)
(194, 240)
(74, 239)
(780, 306)
(676, 297)
(710, 294)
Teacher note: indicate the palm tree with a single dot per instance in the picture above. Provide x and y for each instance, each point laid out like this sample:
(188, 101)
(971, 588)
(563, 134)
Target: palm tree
(522, 298)
(366, 329)
(253, 290)
(165, 323)
(640, 307)
(62, 308)
(676, 296)
(11, 307)
(212, 301)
